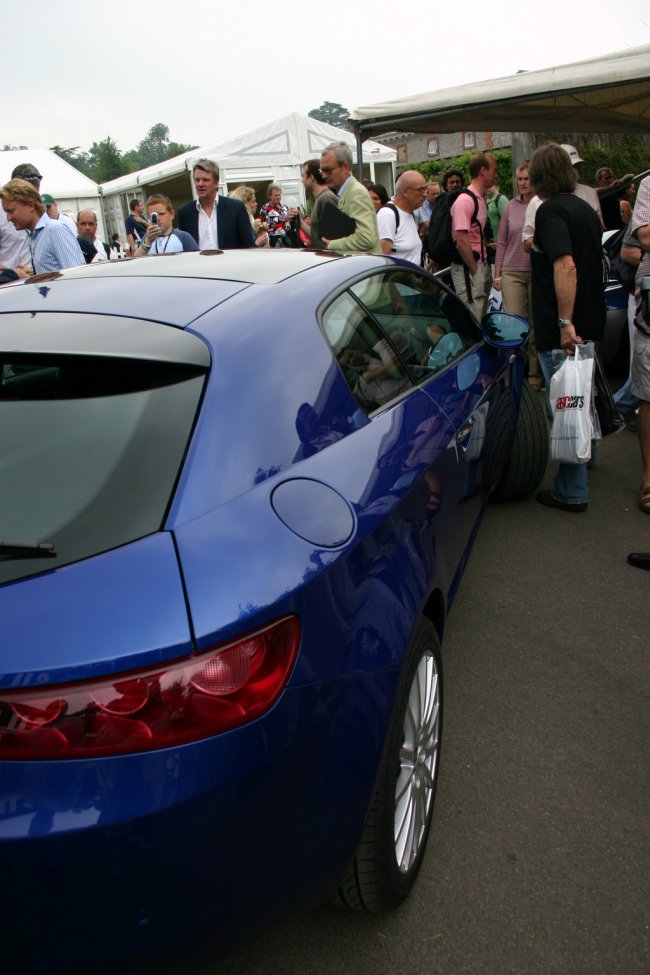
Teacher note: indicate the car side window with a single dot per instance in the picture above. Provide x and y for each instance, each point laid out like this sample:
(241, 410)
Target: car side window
(370, 363)
(429, 325)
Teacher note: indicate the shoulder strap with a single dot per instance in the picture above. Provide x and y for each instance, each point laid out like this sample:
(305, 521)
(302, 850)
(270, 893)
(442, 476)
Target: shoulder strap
(391, 206)
(475, 198)
(476, 221)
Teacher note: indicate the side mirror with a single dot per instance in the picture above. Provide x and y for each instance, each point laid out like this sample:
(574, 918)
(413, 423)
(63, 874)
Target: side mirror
(505, 331)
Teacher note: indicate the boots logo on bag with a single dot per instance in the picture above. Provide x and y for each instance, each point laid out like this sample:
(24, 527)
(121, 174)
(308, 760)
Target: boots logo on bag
(570, 402)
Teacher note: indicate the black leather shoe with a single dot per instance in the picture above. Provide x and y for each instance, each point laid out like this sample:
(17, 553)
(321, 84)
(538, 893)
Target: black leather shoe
(639, 559)
(545, 497)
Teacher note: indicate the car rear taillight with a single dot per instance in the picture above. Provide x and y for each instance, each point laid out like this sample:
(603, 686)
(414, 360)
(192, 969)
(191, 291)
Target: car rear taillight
(157, 708)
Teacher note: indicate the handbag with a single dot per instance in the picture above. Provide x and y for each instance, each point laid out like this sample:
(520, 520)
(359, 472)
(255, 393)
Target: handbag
(570, 396)
(607, 416)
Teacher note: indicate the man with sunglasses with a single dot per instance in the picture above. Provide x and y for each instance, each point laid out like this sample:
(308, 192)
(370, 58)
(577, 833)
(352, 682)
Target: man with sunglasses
(610, 192)
(354, 200)
(14, 244)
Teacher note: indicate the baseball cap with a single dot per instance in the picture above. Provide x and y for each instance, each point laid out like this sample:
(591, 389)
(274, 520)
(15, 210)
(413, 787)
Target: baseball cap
(47, 199)
(26, 171)
(572, 153)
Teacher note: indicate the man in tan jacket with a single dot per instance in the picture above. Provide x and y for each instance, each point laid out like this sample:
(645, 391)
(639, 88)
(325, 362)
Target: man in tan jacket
(354, 200)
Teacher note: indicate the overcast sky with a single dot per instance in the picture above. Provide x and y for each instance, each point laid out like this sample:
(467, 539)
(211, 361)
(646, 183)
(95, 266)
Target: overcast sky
(76, 71)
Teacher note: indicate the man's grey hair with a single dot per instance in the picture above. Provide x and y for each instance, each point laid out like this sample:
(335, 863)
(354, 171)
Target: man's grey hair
(341, 151)
(208, 165)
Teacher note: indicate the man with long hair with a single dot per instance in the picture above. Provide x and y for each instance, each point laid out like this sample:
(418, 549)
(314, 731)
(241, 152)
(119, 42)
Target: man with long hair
(568, 298)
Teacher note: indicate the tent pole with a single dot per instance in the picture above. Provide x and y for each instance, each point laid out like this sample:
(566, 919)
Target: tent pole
(357, 132)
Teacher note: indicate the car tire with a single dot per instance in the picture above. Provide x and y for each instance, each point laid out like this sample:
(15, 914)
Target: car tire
(395, 834)
(529, 450)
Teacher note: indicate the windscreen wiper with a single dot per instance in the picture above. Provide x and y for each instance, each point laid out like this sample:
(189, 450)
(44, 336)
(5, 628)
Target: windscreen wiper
(28, 550)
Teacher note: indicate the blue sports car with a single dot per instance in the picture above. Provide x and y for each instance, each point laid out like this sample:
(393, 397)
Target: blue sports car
(238, 494)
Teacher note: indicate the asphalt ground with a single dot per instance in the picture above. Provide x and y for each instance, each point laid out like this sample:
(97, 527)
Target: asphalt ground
(538, 856)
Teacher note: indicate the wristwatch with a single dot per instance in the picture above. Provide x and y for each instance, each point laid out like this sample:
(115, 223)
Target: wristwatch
(563, 322)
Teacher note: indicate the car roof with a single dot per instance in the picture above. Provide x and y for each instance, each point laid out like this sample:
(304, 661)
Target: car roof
(249, 266)
(148, 288)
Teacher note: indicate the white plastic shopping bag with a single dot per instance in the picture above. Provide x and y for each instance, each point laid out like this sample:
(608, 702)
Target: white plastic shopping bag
(570, 396)
(496, 300)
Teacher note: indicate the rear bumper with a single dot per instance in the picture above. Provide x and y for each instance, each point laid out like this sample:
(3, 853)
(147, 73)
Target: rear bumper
(112, 855)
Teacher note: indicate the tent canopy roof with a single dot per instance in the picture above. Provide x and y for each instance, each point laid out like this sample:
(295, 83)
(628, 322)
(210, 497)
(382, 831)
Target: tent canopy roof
(60, 179)
(288, 141)
(605, 94)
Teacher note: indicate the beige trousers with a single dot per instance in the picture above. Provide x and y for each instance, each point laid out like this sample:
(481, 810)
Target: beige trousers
(517, 300)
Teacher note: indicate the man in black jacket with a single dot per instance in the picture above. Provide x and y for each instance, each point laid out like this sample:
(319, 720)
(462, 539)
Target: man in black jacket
(215, 222)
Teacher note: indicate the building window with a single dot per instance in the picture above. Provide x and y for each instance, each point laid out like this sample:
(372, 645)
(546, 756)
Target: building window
(433, 146)
(402, 153)
(468, 140)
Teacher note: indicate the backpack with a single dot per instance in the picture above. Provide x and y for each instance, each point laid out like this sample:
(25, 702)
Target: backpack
(440, 245)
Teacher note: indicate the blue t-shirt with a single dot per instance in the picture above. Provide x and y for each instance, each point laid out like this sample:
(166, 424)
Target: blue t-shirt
(174, 243)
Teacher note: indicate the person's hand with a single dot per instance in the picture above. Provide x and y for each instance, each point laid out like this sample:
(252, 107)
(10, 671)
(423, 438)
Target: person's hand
(24, 270)
(569, 338)
(153, 231)
(262, 240)
(496, 284)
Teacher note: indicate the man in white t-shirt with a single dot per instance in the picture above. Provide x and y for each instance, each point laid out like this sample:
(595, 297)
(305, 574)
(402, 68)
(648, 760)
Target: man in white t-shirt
(586, 193)
(396, 221)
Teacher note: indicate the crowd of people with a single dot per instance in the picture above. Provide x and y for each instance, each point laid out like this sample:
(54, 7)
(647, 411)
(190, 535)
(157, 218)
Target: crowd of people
(540, 251)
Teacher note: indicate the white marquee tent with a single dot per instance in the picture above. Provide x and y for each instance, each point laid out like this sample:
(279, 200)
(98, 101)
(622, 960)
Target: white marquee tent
(271, 153)
(71, 189)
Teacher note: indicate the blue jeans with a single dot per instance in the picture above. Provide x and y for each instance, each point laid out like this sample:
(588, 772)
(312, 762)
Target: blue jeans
(625, 399)
(570, 484)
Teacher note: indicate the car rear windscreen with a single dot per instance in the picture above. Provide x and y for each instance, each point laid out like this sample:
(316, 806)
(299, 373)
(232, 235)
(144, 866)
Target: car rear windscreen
(91, 448)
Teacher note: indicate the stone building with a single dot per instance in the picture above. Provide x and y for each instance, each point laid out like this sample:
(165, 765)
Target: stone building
(412, 147)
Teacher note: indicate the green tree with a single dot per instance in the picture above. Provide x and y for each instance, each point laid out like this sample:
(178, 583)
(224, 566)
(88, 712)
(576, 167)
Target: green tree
(105, 161)
(623, 153)
(80, 160)
(155, 147)
(178, 148)
(331, 112)
(438, 167)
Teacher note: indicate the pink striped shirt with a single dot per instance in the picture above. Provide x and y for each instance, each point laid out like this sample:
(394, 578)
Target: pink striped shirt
(511, 255)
